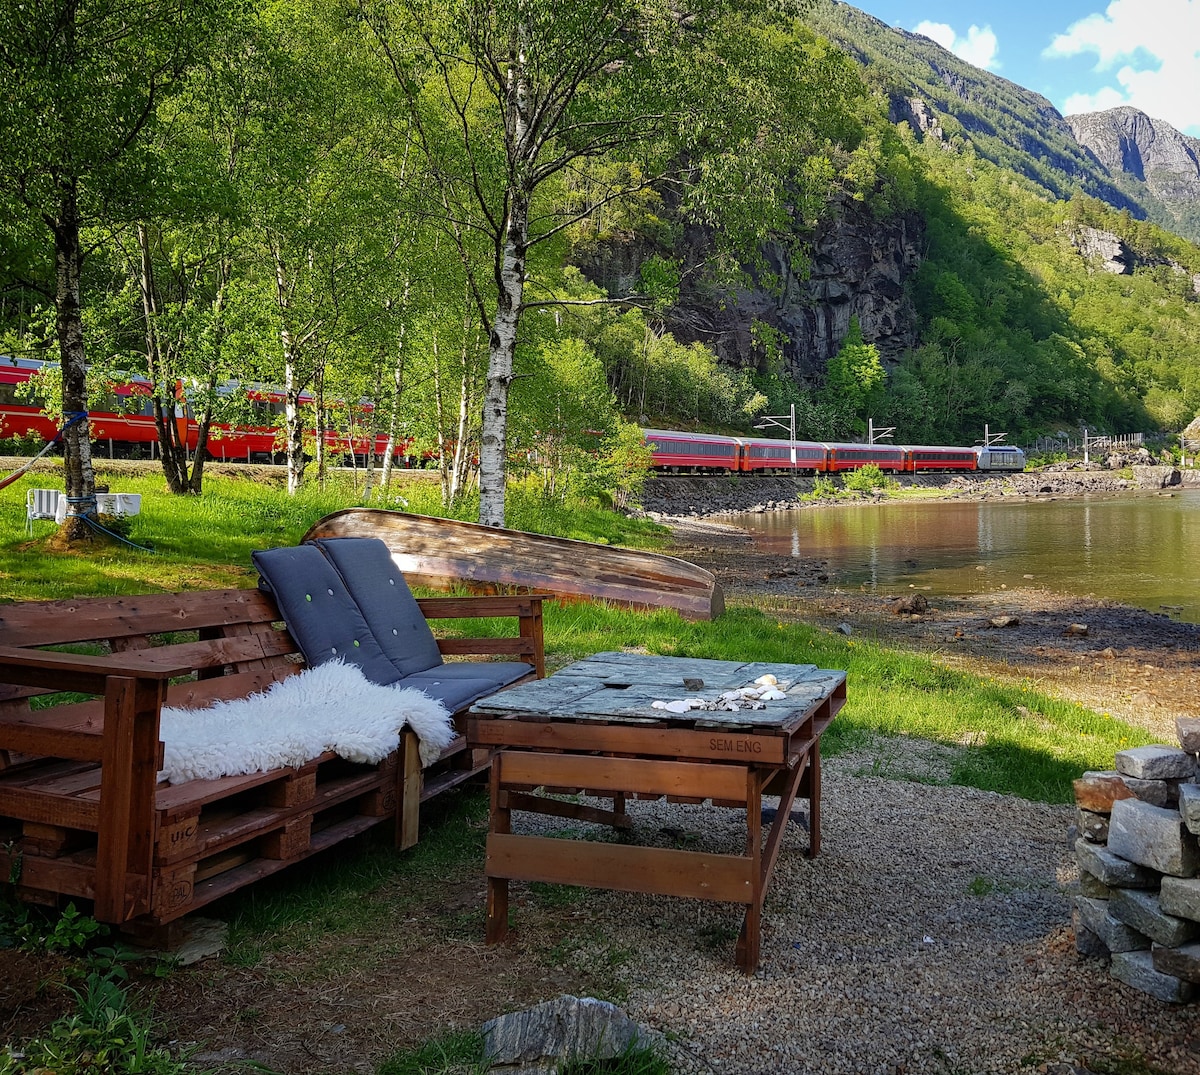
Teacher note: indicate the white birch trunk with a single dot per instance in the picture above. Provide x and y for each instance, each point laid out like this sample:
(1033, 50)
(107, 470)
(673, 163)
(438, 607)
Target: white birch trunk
(79, 477)
(510, 289)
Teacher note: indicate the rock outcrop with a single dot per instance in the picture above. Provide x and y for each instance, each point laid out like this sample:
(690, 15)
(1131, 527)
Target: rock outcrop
(1127, 140)
(1149, 151)
(857, 267)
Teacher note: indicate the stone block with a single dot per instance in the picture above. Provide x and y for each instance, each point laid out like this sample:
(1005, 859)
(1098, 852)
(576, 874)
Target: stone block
(558, 1031)
(1097, 791)
(1088, 943)
(1092, 826)
(1093, 887)
(1142, 911)
(1181, 897)
(1164, 793)
(1182, 962)
(1188, 730)
(1136, 969)
(1114, 934)
(1111, 869)
(1156, 763)
(1154, 837)
(1189, 806)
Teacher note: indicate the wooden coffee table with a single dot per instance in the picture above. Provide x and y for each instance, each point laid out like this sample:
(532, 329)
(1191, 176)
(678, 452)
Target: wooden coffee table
(593, 728)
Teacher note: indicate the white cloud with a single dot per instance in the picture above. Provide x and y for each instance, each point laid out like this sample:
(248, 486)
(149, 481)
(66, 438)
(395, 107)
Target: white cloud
(1157, 45)
(979, 47)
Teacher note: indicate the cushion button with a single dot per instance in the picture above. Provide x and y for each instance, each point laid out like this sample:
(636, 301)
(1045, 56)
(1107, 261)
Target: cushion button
(308, 597)
(394, 631)
(333, 649)
(356, 642)
(330, 592)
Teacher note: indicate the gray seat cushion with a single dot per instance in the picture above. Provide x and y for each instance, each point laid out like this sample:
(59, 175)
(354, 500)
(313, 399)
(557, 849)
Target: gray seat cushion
(460, 683)
(387, 604)
(319, 611)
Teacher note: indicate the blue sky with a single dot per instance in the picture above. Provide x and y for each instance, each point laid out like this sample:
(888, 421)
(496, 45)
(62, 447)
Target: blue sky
(1084, 56)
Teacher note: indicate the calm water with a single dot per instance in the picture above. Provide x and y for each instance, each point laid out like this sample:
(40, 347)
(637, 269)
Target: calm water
(1140, 549)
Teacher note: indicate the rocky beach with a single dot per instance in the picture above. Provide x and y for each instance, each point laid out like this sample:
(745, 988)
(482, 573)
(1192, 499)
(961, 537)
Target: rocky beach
(1138, 665)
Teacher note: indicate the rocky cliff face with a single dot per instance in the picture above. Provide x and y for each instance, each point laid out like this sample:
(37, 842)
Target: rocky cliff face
(1129, 143)
(858, 267)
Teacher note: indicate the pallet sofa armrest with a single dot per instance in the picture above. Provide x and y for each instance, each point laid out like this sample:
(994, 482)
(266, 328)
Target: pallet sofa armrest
(134, 690)
(528, 645)
(80, 672)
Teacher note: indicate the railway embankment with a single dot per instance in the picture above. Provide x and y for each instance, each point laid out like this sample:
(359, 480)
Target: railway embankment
(696, 496)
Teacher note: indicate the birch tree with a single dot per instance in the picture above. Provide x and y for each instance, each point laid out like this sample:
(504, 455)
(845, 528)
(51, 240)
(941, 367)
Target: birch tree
(535, 115)
(526, 91)
(82, 82)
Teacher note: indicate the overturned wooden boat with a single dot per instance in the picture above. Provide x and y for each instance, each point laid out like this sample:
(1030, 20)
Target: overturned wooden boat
(445, 554)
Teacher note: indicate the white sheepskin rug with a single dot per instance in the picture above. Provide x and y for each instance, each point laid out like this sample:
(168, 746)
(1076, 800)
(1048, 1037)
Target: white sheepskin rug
(330, 707)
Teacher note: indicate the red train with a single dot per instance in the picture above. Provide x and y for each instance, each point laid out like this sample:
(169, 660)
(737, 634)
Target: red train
(674, 450)
(125, 425)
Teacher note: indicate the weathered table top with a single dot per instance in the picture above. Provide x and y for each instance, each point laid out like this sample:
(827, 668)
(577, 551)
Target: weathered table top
(622, 687)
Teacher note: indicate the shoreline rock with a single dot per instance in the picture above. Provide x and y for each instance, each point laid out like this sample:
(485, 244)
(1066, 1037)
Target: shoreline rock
(702, 495)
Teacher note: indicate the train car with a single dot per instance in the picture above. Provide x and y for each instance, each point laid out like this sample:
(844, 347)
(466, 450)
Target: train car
(675, 450)
(999, 457)
(927, 457)
(764, 455)
(123, 423)
(852, 456)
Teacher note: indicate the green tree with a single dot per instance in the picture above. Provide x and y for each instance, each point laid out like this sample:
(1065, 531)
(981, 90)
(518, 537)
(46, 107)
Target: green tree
(855, 378)
(534, 116)
(83, 81)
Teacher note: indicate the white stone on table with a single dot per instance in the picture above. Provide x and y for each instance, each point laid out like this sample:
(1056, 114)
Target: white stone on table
(1153, 837)
(1156, 763)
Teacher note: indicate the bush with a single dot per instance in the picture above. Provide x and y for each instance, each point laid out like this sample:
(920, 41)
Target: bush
(867, 478)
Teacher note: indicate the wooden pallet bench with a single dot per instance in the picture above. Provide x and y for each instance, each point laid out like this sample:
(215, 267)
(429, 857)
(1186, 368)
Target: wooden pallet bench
(82, 814)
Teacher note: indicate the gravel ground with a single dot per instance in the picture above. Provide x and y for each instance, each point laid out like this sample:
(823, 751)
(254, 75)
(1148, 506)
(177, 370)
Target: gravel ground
(932, 934)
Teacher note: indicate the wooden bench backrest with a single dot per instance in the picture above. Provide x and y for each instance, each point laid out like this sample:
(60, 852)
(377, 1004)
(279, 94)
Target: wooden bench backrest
(237, 634)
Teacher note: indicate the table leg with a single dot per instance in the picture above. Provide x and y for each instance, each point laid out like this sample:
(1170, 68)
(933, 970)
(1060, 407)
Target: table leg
(814, 801)
(497, 887)
(749, 940)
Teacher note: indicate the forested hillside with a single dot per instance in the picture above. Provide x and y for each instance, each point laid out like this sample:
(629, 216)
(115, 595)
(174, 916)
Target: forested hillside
(512, 228)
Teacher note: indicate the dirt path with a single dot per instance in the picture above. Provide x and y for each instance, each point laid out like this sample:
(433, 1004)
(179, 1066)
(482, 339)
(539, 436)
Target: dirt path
(1141, 667)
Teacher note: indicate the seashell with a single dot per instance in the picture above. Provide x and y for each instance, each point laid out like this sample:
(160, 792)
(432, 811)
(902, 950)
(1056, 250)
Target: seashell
(767, 680)
(730, 696)
(772, 695)
(677, 707)
(695, 703)
(658, 705)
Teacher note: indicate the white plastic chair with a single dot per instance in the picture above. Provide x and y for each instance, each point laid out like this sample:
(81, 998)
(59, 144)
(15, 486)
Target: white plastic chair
(40, 504)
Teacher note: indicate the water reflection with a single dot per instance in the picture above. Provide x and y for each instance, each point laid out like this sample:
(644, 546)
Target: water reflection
(1141, 549)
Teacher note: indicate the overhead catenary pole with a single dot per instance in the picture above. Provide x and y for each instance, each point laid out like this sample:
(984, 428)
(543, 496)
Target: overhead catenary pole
(873, 434)
(778, 420)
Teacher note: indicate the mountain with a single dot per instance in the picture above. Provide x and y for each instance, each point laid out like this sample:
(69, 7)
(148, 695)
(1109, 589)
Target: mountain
(1122, 156)
(1150, 159)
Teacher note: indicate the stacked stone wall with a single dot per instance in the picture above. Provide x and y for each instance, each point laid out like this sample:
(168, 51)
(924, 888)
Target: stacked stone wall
(1138, 848)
